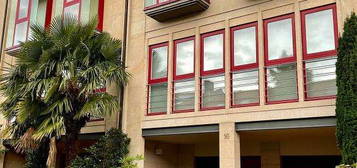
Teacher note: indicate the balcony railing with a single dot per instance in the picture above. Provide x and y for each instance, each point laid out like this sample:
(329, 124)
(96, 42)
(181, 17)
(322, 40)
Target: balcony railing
(162, 10)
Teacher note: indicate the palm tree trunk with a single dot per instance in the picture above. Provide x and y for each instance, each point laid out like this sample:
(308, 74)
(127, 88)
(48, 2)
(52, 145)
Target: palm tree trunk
(52, 155)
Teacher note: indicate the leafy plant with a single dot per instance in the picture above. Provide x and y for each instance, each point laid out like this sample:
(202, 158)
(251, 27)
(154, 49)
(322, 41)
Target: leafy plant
(52, 89)
(346, 103)
(110, 148)
(130, 162)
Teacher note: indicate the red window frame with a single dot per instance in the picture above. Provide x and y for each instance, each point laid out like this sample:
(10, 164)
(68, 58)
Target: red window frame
(67, 3)
(158, 3)
(100, 11)
(152, 81)
(246, 66)
(266, 42)
(214, 71)
(183, 76)
(48, 17)
(303, 29)
(317, 55)
(100, 15)
(22, 20)
(158, 80)
(280, 61)
(210, 72)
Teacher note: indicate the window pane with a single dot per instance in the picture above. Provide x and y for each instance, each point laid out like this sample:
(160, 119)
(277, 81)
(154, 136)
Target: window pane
(213, 91)
(72, 11)
(185, 57)
(280, 39)
(184, 95)
(213, 52)
(321, 78)
(245, 47)
(149, 2)
(20, 33)
(23, 8)
(281, 82)
(320, 32)
(159, 63)
(245, 87)
(158, 98)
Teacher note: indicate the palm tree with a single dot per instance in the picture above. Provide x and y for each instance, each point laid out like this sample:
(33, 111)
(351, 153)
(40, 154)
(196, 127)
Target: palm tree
(51, 90)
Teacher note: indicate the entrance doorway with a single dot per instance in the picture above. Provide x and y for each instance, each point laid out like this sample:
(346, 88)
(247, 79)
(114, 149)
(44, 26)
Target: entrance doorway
(310, 161)
(213, 162)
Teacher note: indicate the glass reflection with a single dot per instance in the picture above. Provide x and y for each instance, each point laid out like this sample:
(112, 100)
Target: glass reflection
(185, 57)
(159, 63)
(72, 11)
(149, 2)
(184, 95)
(245, 87)
(213, 52)
(321, 78)
(280, 39)
(281, 81)
(158, 98)
(245, 46)
(213, 93)
(23, 8)
(320, 32)
(20, 33)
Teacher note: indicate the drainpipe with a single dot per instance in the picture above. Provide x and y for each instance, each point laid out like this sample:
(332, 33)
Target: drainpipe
(3, 27)
(123, 59)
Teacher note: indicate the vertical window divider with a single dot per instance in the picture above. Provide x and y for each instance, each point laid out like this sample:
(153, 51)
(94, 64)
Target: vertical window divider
(197, 69)
(170, 80)
(298, 52)
(262, 93)
(227, 65)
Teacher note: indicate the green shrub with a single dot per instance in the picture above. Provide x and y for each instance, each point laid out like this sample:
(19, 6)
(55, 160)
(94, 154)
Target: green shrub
(346, 102)
(347, 166)
(106, 153)
(129, 162)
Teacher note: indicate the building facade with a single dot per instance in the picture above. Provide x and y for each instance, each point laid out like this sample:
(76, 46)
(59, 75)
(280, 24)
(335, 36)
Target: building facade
(233, 83)
(215, 83)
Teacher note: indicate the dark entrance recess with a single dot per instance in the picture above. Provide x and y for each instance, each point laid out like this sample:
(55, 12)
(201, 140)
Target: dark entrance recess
(213, 162)
(310, 161)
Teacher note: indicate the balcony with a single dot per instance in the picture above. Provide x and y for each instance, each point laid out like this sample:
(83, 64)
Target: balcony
(162, 10)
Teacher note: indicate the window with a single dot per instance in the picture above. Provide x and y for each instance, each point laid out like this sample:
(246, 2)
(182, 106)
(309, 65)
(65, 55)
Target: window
(26, 12)
(22, 21)
(72, 8)
(157, 84)
(280, 60)
(319, 29)
(184, 83)
(85, 10)
(212, 71)
(244, 58)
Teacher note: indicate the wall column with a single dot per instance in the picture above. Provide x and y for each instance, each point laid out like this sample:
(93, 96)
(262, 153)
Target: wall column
(229, 146)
